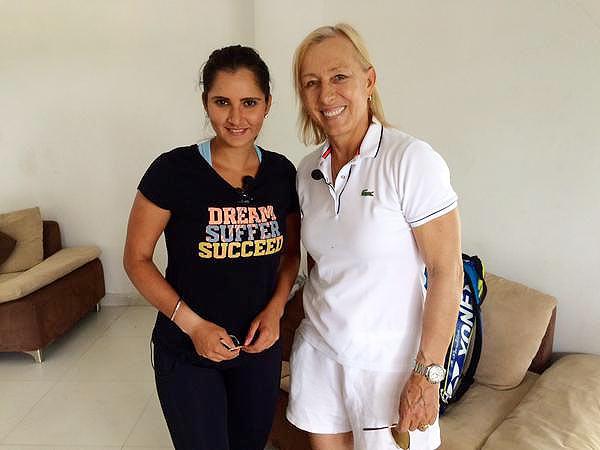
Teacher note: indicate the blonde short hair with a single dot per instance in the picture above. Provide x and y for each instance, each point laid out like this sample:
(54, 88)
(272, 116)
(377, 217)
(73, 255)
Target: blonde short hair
(310, 131)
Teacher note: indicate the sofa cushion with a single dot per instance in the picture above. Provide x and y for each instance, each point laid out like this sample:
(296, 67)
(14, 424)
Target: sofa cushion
(44, 273)
(25, 226)
(7, 245)
(515, 319)
(560, 411)
(7, 276)
(468, 423)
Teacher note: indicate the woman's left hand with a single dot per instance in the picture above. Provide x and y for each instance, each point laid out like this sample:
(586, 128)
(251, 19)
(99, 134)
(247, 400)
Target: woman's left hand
(419, 403)
(267, 326)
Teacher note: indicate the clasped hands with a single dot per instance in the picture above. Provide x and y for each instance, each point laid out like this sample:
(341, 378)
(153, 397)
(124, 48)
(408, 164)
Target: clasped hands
(214, 342)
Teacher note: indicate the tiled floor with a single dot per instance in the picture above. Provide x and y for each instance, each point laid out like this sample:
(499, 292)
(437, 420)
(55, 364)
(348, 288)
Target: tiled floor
(94, 391)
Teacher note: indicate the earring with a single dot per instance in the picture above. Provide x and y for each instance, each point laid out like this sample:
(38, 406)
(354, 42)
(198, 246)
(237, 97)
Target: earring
(370, 98)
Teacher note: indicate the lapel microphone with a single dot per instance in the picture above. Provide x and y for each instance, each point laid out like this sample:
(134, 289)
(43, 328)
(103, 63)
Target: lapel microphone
(248, 183)
(317, 175)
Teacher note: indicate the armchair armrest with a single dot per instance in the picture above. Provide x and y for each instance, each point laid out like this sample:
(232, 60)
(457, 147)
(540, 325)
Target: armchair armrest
(543, 358)
(51, 238)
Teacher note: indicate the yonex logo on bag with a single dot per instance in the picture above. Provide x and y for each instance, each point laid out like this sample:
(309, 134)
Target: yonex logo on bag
(367, 193)
(466, 320)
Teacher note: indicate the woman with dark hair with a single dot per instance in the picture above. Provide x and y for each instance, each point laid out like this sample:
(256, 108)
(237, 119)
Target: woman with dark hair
(229, 211)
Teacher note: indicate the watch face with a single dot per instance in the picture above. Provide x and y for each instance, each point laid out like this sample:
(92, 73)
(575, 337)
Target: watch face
(436, 374)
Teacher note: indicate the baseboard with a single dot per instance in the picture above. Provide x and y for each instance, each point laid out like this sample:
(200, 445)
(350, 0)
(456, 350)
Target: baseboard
(112, 299)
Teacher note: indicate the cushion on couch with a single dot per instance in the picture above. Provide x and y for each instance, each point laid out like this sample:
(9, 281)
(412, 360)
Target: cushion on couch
(515, 319)
(7, 276)
(560, 411)
(51, 269)
(25, 226)
(468, 423)
(7, 245)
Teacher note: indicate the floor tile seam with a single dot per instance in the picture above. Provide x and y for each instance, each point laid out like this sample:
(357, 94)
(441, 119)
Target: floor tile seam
(51, 446)
(102, 330)
(73, 364)
(114, 320)
(146, 406)
(127, 309)
(70, 375)
(128, 382)
(13, 428)
(129, 446)
(118, 336)
(53, 385)
(93, 338)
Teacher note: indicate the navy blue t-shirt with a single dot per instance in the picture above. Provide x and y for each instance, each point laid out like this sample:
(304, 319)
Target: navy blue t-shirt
(223, 245)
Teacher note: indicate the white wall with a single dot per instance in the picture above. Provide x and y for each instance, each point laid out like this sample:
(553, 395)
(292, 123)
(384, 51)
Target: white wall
(279, 27)
(91, 92)
(507, 91)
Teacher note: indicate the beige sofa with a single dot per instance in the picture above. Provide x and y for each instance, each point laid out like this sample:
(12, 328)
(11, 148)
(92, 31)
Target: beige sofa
(510, 406)
(44, 288)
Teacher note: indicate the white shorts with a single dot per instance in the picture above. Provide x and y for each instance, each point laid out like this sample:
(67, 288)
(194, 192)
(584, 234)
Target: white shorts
(329, 398)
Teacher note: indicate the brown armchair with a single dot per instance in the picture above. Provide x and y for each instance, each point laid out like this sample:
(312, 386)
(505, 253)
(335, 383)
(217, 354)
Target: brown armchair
(40, 304)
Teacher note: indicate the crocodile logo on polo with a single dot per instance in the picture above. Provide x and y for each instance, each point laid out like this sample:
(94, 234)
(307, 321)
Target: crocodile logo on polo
(367, 193)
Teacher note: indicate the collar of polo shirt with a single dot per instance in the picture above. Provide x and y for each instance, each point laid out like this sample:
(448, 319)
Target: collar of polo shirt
(369, 146)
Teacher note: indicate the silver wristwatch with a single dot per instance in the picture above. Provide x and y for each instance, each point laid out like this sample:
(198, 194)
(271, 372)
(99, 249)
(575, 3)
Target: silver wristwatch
(434, 373)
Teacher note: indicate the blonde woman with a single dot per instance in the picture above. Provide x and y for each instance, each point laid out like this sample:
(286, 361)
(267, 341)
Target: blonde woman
(377, 210)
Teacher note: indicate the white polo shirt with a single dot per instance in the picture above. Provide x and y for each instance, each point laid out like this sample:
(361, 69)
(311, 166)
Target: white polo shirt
(364, 298)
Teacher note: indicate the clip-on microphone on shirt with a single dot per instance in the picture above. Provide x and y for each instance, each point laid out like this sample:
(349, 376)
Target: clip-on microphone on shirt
(317, 175)
(247, 184)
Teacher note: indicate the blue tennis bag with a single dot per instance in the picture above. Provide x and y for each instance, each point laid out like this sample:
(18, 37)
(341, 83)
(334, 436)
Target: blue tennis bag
(465, 348)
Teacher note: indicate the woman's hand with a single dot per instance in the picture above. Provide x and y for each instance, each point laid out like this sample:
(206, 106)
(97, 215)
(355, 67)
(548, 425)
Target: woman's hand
(267, 326)
(267, 321)
(419, 403)
(209, 341)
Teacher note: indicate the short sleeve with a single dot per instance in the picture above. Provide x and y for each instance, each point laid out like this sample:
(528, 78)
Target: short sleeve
(156, 183)
(426, 192)
(293, 193)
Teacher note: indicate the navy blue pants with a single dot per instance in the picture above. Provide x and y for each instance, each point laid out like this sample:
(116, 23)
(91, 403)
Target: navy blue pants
(218, 406)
